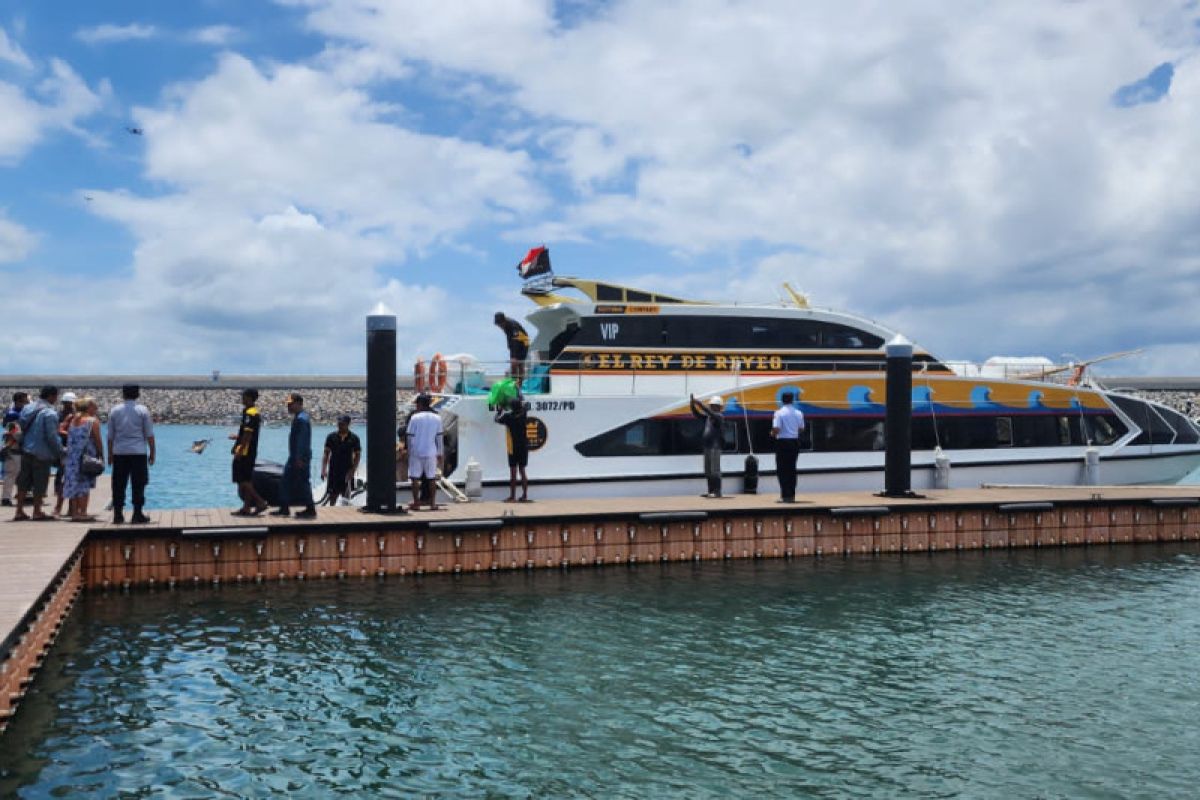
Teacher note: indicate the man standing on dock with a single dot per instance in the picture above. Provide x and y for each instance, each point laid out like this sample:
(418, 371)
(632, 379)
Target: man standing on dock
(40, 449)
(425, 452)
(786, 427)
(130, 437)
(713, 440)
(245, 453)
(340, 461)
(296, 484)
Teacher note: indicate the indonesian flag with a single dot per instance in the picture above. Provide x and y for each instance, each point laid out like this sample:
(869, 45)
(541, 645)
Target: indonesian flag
(536, 262)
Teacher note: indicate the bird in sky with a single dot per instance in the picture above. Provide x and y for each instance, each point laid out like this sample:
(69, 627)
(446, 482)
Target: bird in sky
(135, 131)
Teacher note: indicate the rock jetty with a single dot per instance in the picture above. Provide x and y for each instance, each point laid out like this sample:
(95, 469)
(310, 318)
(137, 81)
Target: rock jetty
(223, 406)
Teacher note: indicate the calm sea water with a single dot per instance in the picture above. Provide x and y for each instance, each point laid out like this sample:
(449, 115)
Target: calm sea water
(182, 479)
(1059, 673)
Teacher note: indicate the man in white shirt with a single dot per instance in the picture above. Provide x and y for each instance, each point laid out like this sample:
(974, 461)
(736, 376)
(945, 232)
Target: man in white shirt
(130, 452)
(786, 427)
(425, 452)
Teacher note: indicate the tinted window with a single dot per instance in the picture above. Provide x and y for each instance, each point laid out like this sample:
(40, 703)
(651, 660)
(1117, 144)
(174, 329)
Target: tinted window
(764, 333)
(1185, 431)
(1154, 429)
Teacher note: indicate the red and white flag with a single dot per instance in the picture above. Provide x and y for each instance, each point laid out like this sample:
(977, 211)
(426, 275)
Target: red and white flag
(536, 262)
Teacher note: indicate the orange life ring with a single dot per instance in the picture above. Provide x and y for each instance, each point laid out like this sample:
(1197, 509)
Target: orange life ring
(419, 376)
(437, 373)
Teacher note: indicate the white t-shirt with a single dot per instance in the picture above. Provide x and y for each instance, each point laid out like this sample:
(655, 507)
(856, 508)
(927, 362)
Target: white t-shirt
(424, 434)
(789, 420)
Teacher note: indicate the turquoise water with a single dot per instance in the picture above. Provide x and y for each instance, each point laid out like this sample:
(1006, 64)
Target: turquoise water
(183, 479)
(1036, 673)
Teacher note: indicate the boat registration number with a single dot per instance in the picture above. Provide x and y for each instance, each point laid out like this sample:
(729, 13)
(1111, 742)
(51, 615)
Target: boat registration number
(554, 405)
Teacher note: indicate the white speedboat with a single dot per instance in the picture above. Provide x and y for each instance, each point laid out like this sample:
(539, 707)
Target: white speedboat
(611, 372)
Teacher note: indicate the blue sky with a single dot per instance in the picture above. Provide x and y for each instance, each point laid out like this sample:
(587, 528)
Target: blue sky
(1012, 178)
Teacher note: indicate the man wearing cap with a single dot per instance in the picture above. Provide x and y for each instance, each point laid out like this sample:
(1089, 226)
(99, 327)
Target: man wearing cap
(130, 452)
(518, 345)
(786, 427)
(65, 417)
(340, 462)
(40, 449)
(245, 454)
(297, 472)
(713, 440)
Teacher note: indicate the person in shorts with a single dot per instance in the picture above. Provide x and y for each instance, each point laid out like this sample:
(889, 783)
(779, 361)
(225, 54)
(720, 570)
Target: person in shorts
(425, 452)
(245, 454)
(40, 450)
(514, 419)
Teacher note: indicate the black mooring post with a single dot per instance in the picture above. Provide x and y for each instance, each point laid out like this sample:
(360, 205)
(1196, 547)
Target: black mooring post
(381, 414)
(897, 429)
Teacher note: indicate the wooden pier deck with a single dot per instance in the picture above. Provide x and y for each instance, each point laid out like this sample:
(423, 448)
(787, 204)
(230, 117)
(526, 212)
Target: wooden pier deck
(44, 565)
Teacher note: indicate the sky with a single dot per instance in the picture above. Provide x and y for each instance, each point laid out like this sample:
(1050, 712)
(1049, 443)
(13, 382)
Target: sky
(222, 184)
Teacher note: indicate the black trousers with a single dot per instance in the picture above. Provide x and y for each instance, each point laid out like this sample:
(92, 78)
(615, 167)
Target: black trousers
(786, 451)
(130, 469)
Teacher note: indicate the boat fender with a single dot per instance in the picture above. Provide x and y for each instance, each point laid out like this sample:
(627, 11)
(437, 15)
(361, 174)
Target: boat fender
(474, 485)
(1091, 466)
(437, 373)
(750, 476)
(941, 469)
(419, 376)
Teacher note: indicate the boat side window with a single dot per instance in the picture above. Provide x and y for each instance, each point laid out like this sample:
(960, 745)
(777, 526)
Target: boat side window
(609, 294)
(763, 333)
(1185, 431)
(841, 435)
(634, 296)
(1004, 432)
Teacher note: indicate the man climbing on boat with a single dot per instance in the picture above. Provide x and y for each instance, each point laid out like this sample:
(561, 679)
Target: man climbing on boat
(518, 345)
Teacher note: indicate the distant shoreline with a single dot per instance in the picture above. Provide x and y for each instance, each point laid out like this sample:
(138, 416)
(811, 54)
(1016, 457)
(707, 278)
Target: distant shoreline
(212, 404)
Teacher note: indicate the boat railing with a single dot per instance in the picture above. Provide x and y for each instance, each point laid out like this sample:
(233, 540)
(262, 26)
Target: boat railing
(604, 378)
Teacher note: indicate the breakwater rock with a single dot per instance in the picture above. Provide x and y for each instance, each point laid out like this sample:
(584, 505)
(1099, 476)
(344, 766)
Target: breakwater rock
(222, 406)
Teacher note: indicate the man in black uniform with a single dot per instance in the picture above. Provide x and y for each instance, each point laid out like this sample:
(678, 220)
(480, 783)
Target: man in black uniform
(713, 439)
(340, 463)
(518, 346)
(245, 453)
(514, 419)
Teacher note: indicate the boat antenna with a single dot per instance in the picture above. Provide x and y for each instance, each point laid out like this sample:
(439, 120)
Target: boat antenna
(800, 300)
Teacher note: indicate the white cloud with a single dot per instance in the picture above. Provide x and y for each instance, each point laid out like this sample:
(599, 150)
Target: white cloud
(15, 241)
(58, 101)
(12, 53)
(216, 35)
(108, 34)
(287, 205)
(939, 167)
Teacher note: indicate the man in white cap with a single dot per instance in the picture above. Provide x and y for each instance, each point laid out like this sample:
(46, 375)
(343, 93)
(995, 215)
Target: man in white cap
(713, 440)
